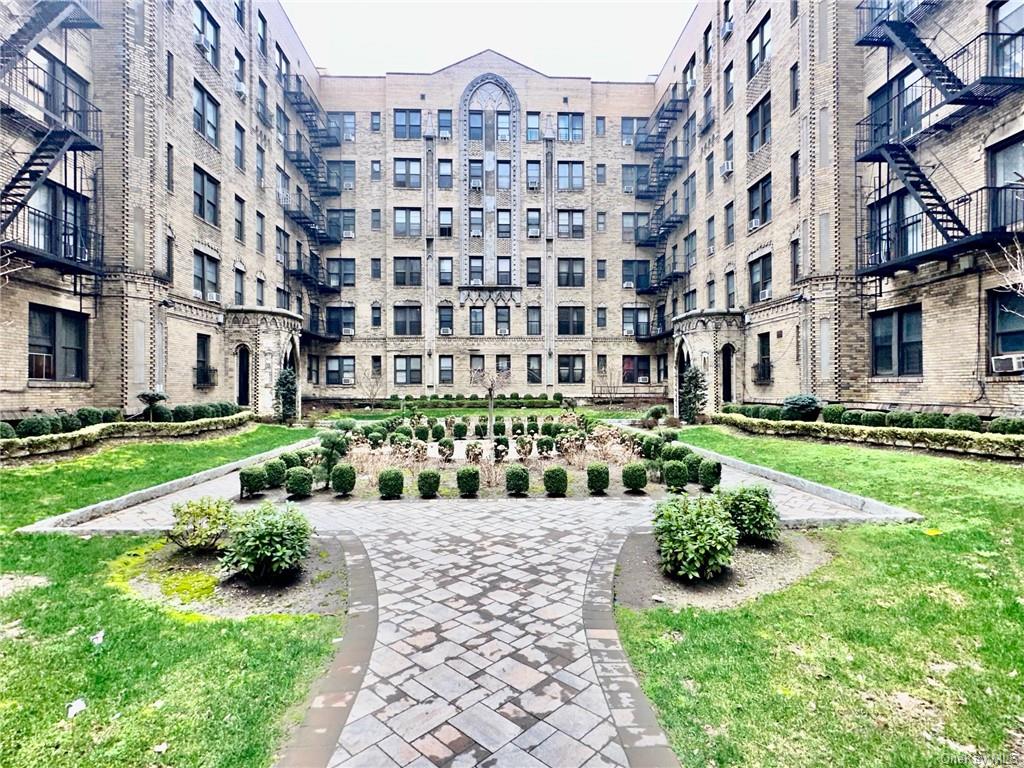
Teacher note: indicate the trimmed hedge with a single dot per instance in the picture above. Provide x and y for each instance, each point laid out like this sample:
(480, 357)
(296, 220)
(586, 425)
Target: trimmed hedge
(276, 471)
(675, 451)
(709, 473)
(556, 481)
(89, 416)
(693, 467)
(298, 481)
(801, 408)
(428, 482)
(468, 481)
(597, 478)
(696, 537)
(517, 480)
(634, 476)
(7, 431)
(873, 418)
(390, 483)
(966, 422)
(676, 474)
(343, 479)
(929, 421)
(290, 459)
(460, 430)
(251, 480)
(833, 414)
(183, 413)
(1006, 425)
(852, 416)
(899, 419)
(33, 426)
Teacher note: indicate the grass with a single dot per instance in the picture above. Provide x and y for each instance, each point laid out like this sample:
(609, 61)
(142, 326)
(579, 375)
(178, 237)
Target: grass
(215, 692)
(481, 412)
(30, 493)
(905, 649)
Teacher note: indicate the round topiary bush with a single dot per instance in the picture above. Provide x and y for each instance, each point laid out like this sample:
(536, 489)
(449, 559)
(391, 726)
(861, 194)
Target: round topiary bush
(375, 439)
(598, 478)
(833, 414)
(89, 416)
(390, 483)
(33, 426)
(656, 412)
(770, 412)
(343, 479)
(499, 427)
(468, 481)
(345, 425)
(502, 441)
(651, 446)
(446, 448)
(202, 411)
(518, 428)
(298, 481)
(634, 476)
(801, 408)
(873, 419)
(929, 421)
(183, 413)
(852, 416)
(422, 432)
(517, 480)
(69, 423)
(696, 538)
(899, 419)
(437, 431)
(268, 541)
(1006, 425)
(428, 482)
(276, 472)
(967, 422)
(56, 425)
(709, 474)
(545, 445)
(752, 511)
(252, 480)
(675, 451)
(110, 415)
(676, 475)
(693, 467)
(7, 431)
(556, 481)
(460, 430)
(290, 459)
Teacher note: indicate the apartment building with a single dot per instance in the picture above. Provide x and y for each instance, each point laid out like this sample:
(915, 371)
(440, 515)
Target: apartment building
(785, 205)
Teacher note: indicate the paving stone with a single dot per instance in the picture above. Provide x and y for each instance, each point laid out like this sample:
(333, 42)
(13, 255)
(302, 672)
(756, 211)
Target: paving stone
(486, 727)
(562, 751)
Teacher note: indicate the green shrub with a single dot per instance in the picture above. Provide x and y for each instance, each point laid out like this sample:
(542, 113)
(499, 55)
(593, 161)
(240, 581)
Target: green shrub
(276, 471)
(518, 428)
(903, 419)
(770, 412)
(202, 411)
(801, 408)
(345, 425)
(873, 418)
(852, 416)
(656, 412)
(343, 479)
(1006, 425)
(33, 426)
(422, 432)
(709, 474)
(752, 511)
(966, 422)
(692, 462)
(428, 482)
(929, 421)
(651, 446)
(298, 481)
(398, 439)
(460, 430)
(69, 422)
(468, 481)
(56, 425)
(675, 451)
(200, 524)
(390, 483)
(597, 478)
(290, 459)
(446, 448)
(696, 537)
(252, 480)
(375, 439)
(499, 427)
(557, 397)
(833, 414)
(556, 481)
(634, 476)
(480, 430)
(7, 431)
(545, 445)
(110, 415)
(517, 480)
(183, 413)
(502, 441)
(268, 541)
(676, 474)
(89, 416)
(437, 431)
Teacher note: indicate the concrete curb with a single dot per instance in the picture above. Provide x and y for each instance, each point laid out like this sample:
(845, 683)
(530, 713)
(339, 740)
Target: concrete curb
(91, 512)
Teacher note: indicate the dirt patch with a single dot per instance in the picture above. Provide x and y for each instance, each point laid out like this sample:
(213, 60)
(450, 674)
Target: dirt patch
(755, 571)
(195, 584)
(15, 582)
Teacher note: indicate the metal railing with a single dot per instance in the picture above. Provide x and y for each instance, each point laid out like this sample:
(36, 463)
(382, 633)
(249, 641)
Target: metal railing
(871, 14)
(762, 372)
(51, 102)
(263, 113)
(76, 246)
(204, 377)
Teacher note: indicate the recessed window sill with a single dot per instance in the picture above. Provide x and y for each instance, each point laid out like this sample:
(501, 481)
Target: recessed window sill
(895, 379)
(50, 384)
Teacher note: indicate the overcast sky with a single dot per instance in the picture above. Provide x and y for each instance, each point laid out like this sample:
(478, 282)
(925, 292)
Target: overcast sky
(602, 40)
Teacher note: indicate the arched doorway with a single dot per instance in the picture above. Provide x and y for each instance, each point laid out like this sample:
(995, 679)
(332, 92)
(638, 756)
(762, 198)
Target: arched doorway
(243, 375)
(728, 354)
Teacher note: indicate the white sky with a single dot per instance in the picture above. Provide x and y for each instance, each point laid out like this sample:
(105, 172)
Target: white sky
(603, 40)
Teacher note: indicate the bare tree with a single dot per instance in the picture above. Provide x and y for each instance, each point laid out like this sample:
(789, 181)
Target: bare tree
(372, 382)
(9, 264)
(1009, 265)
(493, 382)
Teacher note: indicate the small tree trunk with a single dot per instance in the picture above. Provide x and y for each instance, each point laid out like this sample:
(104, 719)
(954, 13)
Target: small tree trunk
(490, 411)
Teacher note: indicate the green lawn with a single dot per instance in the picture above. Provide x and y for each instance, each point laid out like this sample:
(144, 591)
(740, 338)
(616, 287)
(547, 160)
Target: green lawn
(384, 413)
(214, 691)
(908, 646)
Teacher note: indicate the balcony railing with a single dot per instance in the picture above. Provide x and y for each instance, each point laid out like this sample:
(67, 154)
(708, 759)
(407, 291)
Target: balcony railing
(991, 215)
(873, 14)
(990, 67)
(707, 121)
(263, 113)
(762, 372)
(204, 377)
(48, 102)
(651, 331)
(54, 242)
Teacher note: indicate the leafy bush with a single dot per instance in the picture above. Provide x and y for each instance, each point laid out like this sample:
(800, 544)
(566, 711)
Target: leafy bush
(460, 430)
(202, 411)
(422, 432)
(517, 480)
(556, 481)
(333, 446)
(651, 446)
(375, 439)
(161, 413)
(899, 419)
(343, 479)
(89, 416)
(150, 399)
(709, 473)
(852, 416)
(873, 418)
(693, 467)
(518, 428)
(33, 426)
(276, 471)
(634, 476)
(268, 541)
(656, 412)
(7, 431)
(598, 478)
(676, 474)
(929, 421)
(967, 422)
(183, 413)
(696, 537)
(545, 445)
(770, 412)
(474, 452)
(446, 448)
(1006, 425)
(56, 424)
(252, 480)
(390, 483)
(200, 524)
(468, 481)
(437, 431)
(480, 430)
(298, 481)
(345, 425)
(428, 482)
(801, 408)
(675, 451)
(833, 414)
(110, 415)
(499, 427)
(290, 459)
(557, 397)
(752, 511)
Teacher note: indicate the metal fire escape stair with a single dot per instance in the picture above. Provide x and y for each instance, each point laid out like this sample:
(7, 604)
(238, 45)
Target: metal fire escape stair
(43, 18)
(931, 66)
(933, 205)
(33, 172)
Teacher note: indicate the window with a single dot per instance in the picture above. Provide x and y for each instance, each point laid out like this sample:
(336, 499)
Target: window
(444, 271)
(239, 219)
(282, 125)
(533, 174)
(239, 70)
(239, 147)
(601, 224)
(730, 224)
(794, 86)
(602, 364)
(261, 33)
(261, 165)
(503, 126)
(690, 300)
(794, 259)
(445, 317)
(407, 173)
(407, 222)
(570, 224)
(533, 127)
(207, 34)
(763, 366)
(709, 173)
(445, 369)
(281, 245)
(896, 342)
(375, 219)
(205, 276)
(205, 196)
(759, 46)
(1006, 320)
(637, 272)
(730, 290)
(375, 269)
(504, 219)
(341, 370)
(312, 369)
(532, 271)
(533, 222)
(600, 173)
(204, 373)
(571, 321)
(261, 288)
(407, 271)
(476, 321)
(570, 127)
(504, 174)
(631, 126)
(636, 321)
(56, 344)
(533, 321)
(407, 125)
(794, 174)
(476, 174)
(503, 320)
(570, 176)
(711, 234)
(533, 369)
(375, 170)
(375, 320)
(727, 147)
(444, 123)
(375, 122)
(476, 270)
(282, 66)
(761, 278)
(504, 270)
(169, 180)
(711, 294)
(570, 273)
(571, 369)
(759, 124)
(444, 222)
(636, 369)
(759, 199)
(476, 125)
(347, 121)
(476, 222)
(169, 75)
(631, 222)
(284, 299)
(407, 321)
(261, 232)
(476, 362)
(706, 46)
(602, 317)
(348, 271)
(239, 287)
(205, 114)
(408, 369)
(444, 174)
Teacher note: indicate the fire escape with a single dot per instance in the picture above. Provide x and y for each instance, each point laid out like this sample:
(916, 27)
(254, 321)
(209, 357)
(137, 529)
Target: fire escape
(305, 151)
(950, 91)
(45, 110)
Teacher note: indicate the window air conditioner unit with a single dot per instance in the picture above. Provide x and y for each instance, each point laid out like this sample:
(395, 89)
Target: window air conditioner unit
(446, 331)
(504, 136)
(533, 232)
(476, 233)
(643, 379)
(629, 285)
(201, 42)
(349, 234)
(727, 28)
(213, 296)
(765, 294)
(753, 224)
(348, 186)
(711, 250)
(726, 169)
(476, 281)
(348, 331)
(1008, 364)
(627, 141)
(350, 137)
(240, 90)
(197, 294)
(476, 184)
(628, 189)
(261, 182)
(503, 331)
(444, 135)
(348, 380)
(691, 85)
(533, 184)
(628, 332)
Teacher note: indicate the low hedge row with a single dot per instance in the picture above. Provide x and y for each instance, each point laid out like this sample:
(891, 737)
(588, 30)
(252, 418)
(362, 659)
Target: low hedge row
(840, 414)
(86, 436)
(956, 441)
(39, 424)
